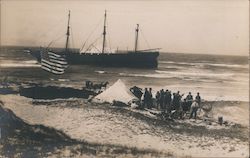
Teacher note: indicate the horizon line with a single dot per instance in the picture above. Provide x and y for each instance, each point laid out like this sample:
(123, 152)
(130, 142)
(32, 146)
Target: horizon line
(240, 55)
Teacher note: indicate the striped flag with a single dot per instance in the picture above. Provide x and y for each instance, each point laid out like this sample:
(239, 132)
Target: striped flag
(53, 62)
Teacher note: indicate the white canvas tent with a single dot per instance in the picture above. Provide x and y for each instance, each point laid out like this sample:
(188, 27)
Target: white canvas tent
(117, 92)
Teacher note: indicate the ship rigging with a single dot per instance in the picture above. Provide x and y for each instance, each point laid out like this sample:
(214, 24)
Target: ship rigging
(146, 58)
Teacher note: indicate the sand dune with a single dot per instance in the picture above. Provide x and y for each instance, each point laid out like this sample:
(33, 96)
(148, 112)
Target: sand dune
(121, 126)
(20, 139)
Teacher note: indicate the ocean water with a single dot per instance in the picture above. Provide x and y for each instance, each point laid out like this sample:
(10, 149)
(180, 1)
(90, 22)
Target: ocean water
(215, 77)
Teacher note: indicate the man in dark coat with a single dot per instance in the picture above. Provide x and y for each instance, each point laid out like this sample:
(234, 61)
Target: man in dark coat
(157, 97)
(198, 98)
(150, 98)
(168, 100)
(177, 100)
(146, 98)
(189, 99)
(162, 99)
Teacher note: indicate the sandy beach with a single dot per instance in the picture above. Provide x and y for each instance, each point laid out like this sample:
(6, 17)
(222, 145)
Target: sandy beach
(105, 124)
(128, 79)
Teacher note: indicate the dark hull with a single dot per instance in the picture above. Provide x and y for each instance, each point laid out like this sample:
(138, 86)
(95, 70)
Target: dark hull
(128, 59)
(138, 59)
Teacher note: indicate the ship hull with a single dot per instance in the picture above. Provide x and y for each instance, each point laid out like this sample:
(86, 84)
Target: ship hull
(128, 59)
(137, 60)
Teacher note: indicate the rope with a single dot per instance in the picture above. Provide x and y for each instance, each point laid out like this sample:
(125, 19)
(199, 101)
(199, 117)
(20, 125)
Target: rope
(92, 44)
(108, 33)
(73, 44)
(145, 39)
(54, 41)
(51, 28)
(95, 28)
(109, 44)
(96, 48)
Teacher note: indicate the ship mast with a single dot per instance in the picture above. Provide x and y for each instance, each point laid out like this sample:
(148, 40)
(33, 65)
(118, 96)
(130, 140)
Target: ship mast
(104, 33)
(68, 33)
(136, 37)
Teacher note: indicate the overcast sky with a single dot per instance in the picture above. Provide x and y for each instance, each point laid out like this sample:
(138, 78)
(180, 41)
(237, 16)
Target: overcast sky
(184, 26)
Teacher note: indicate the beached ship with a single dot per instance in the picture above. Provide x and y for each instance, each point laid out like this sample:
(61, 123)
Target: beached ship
(135, 58)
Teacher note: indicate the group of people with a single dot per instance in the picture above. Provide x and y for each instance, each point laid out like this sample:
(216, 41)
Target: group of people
(168, 102)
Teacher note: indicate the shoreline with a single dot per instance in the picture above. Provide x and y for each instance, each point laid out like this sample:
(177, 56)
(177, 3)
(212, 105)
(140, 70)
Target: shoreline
(15, 88)
(179, 53)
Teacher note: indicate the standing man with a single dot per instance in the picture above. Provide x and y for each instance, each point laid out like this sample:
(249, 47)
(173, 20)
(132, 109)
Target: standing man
(194, 108)
(145, 98)
(150, 98)
(198, 98)
(174, 100)
(162, 99)
(157, 97)
(168, 101)
(189, 99)
(178, 100)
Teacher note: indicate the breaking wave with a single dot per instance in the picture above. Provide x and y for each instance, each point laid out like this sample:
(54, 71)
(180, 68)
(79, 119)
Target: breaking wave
(195, 74)
(14, 64)
(146, 75)
(182, 75)
(203, 64)
(101, 72)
